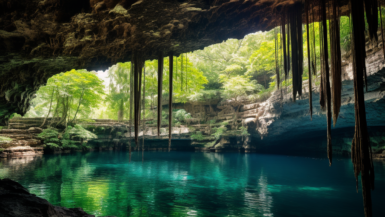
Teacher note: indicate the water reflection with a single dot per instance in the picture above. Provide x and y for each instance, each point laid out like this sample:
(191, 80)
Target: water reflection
(195, 184)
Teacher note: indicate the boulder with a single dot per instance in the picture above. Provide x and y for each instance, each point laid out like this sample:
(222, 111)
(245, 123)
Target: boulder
(16, 201)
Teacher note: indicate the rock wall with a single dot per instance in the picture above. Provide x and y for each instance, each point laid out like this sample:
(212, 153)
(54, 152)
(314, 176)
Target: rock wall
(24, 143)
(283, 121)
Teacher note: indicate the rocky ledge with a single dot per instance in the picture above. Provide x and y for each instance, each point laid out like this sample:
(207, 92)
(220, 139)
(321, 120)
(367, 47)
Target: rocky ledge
(16, 201)
(24, 143)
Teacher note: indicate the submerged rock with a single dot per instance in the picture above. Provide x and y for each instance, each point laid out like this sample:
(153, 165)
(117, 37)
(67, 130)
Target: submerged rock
(16, 201)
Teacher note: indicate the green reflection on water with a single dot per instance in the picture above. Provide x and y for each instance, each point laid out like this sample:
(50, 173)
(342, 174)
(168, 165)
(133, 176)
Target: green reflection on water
(186, 184)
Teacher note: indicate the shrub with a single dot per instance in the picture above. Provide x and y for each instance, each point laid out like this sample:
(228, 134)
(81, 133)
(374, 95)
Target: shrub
(197, 136)
(181, 115)
(79, 133)
(50, 137)
(73, 137)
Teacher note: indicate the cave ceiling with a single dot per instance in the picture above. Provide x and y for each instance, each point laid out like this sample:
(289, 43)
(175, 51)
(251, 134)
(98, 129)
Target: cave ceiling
(40, 38)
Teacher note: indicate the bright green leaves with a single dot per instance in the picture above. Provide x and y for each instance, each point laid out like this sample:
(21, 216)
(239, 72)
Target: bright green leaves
(263, 59)
(72, 138)
(239, 86)
(74, 94)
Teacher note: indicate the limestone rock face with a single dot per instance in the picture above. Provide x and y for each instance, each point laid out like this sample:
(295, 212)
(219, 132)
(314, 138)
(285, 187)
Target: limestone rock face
(281, 120)
(24, 143)
(40, 38)
(16, 201)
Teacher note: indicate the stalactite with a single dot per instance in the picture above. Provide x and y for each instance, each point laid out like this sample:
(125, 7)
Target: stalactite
(171, 65)
(308, 59)
(335, 52)
(296, 49)
(160, 89)
(325, 83)
(361, 149)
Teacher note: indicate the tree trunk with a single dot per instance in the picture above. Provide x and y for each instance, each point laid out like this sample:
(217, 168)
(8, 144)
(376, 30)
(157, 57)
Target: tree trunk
(57, 107)
(121, 111)
(50, 106)
(80, 100)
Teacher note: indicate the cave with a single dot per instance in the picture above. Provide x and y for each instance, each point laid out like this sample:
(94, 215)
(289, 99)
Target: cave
(314, 114)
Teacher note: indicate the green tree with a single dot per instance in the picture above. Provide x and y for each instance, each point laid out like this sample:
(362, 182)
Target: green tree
(119, 89)
(72, 94)
(239, 86)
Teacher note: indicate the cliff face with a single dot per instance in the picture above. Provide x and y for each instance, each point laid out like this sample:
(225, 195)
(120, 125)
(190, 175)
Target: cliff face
(284, 121)
(40, 38)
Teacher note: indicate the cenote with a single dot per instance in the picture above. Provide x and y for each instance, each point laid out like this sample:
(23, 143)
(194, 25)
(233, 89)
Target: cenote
(196, 184)
(192, 108)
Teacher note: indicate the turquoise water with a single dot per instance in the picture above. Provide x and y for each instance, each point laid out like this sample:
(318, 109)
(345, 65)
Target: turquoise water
(196, 184)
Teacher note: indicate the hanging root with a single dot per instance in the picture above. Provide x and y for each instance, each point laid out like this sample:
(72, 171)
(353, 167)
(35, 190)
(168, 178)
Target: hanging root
(284, 50)
(137, 93)
(335, 61)
(160, 88)
(372, 18)
(361, 149)
(308, 60)
(144, 102)
(295, 20)
(325, 95)
(276, 57)
(171, 66)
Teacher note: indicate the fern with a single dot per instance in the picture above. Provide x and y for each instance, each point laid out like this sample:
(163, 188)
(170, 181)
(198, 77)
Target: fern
(50, 137)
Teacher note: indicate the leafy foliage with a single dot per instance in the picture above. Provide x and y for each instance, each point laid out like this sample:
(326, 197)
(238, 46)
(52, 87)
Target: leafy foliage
(72, 138)
(71, 94)
(50, 137)
(239, 86)
(197, 136)
(181, 115)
